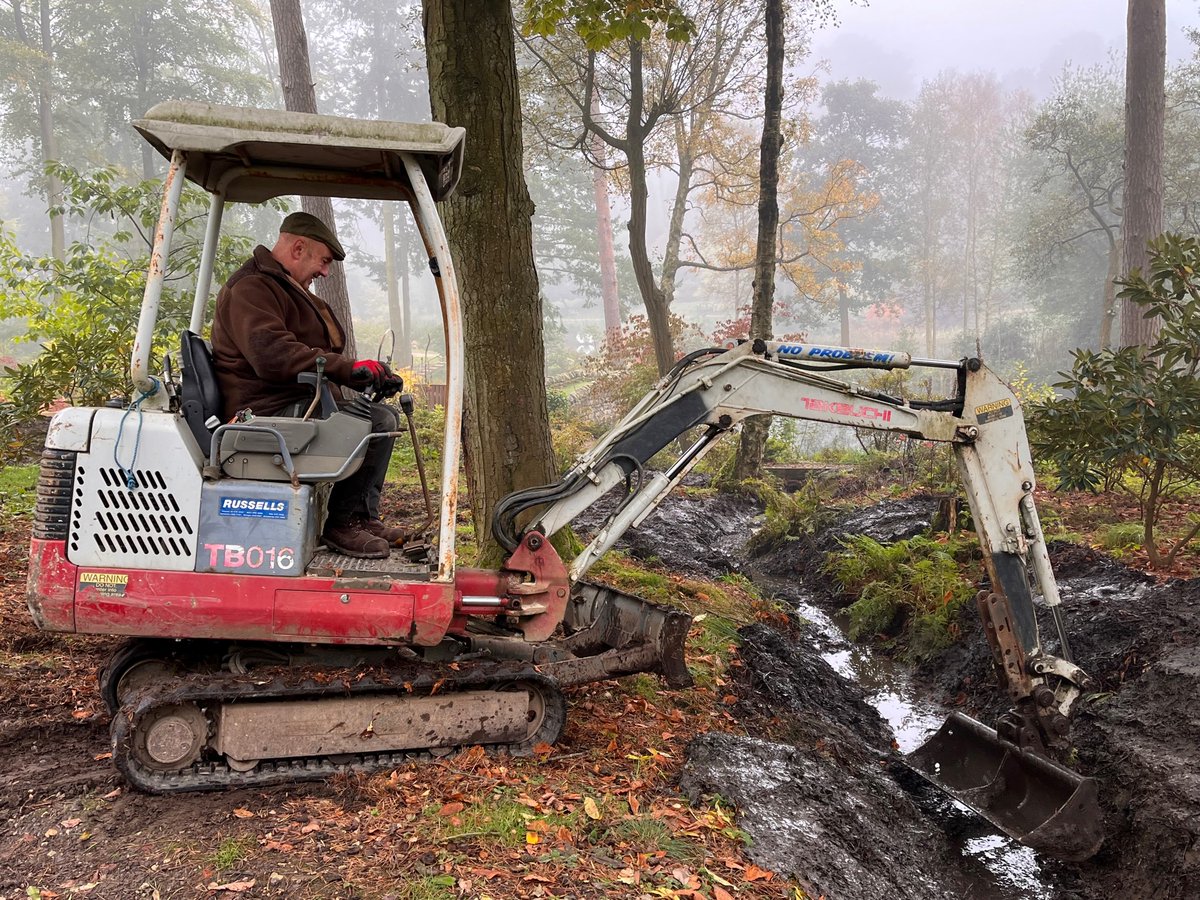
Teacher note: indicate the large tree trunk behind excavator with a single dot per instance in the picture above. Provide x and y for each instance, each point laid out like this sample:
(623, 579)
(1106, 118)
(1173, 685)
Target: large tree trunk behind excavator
(473, 83)
(295, 75)
(754, 433)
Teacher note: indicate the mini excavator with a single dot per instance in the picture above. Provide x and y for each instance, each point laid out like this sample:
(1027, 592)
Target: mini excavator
(255, 655)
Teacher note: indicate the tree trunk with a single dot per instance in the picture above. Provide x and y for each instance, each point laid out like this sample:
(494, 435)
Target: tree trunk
(406, 340)
(844, 315)
(748, 463)
(45, 111)
(1145, 111)
(643, 271)
(1108, 311)
(473, 83)
(395, 318)
(604, 236)
(683, 187)
(295, 76)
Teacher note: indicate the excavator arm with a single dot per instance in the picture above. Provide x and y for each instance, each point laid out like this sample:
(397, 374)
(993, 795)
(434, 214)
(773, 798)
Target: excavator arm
(713, 390)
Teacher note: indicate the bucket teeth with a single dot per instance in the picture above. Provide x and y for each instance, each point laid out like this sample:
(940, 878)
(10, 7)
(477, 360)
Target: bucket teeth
(1031, 798)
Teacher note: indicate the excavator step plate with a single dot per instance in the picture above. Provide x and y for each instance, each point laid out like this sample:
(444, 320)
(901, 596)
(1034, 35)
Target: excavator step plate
(1034, 800)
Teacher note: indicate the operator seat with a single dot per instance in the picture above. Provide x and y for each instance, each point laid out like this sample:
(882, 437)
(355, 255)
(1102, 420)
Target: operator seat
(199, 391)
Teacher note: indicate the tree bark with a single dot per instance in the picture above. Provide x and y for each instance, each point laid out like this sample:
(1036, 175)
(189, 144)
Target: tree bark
(489, 224)
(1108, 311)
(1145, 116)
(749, 459)
(395, 317)
(844, 315)
(295, 76)
(657, 311)
(45, 112)
(604, 235)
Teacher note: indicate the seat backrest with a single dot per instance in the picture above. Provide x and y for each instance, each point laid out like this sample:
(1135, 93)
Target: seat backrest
(199, 391)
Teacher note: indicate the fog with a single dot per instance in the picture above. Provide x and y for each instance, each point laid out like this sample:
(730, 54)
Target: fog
(900, 43)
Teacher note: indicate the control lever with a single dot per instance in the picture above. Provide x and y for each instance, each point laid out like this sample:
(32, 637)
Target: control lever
(320, 391)
(407, 405)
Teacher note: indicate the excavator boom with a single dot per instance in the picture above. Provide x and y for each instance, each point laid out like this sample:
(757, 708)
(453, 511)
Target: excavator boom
(1006, 774)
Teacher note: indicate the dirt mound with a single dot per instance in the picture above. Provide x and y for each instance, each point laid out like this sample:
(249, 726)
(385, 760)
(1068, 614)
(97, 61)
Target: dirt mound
(700, 536)
(840, 826)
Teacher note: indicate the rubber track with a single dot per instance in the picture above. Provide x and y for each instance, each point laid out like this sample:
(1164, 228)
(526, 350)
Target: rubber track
(205, 690)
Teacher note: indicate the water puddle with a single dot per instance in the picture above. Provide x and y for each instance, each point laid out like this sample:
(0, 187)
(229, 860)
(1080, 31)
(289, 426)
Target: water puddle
(1000, 867)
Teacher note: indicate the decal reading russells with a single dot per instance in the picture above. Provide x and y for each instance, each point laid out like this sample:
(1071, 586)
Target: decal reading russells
(247, 507)
(849, 354)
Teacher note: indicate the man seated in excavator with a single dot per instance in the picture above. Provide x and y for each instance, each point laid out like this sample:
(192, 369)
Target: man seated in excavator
(269, 328)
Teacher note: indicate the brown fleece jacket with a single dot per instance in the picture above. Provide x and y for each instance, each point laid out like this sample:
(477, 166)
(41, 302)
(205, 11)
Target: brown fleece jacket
(267, 330)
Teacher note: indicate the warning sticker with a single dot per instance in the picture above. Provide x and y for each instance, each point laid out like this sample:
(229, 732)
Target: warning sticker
(106, 584)
(990, 412)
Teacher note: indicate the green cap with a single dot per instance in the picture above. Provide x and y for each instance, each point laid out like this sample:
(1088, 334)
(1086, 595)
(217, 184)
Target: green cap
(307, 225)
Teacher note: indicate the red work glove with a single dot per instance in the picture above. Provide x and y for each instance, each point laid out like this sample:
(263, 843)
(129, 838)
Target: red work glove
(370, 371)
(392, 385)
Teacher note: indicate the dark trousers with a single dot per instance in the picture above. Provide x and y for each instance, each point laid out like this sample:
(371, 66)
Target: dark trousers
(357, 497)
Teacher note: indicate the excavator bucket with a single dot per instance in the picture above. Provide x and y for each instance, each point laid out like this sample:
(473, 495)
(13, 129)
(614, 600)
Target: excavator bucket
(1034, 800)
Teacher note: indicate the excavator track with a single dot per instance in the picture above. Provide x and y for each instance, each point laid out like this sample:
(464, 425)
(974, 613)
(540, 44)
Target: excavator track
(170, 737)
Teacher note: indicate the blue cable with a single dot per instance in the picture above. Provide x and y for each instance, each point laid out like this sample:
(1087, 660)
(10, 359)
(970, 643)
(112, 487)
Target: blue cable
(130, 478)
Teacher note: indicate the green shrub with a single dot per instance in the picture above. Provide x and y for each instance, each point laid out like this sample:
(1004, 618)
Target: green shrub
(909, 592)
(1131, 418)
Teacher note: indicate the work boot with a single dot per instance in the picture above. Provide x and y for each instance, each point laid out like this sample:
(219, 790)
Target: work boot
(380, 529)
(353, 539)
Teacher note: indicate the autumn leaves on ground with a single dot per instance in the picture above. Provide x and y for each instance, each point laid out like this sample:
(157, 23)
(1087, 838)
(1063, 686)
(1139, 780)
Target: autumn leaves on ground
(596, 815)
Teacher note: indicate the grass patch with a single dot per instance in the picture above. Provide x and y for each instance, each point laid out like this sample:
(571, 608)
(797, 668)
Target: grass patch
(651, 836)
(18, 489)
(1120, 536)
(232, 850)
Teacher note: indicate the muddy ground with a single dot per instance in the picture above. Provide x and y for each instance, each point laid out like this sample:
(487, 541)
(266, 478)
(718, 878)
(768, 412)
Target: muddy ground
(810, 765)
(825, 806)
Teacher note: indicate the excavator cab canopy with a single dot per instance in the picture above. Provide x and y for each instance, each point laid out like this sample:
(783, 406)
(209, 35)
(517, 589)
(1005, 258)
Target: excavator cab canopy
(239, 154)
(253, 155)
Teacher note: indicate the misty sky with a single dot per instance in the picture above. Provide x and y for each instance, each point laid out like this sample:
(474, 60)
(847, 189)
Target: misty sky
(899, 43)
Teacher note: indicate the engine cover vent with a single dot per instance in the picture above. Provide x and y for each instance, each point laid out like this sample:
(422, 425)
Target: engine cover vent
(144, 527)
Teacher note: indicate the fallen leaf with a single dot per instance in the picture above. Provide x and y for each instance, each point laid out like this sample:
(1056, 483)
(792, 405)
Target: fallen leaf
(113, 794)
(77, 714)
(311, 827)
(729, 699)
(685, 877)
(99, 757)
(589, 807)
(541, 748)
(69, 823)
(634, 804)
(541, 826)
(754, 873)
(719, 893)
(532, 837)
(451, 809)
(243, 813)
